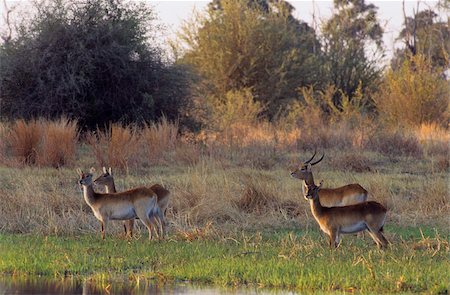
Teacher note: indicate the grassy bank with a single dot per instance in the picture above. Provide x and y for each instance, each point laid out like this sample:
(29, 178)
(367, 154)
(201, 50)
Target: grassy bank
(417, 261)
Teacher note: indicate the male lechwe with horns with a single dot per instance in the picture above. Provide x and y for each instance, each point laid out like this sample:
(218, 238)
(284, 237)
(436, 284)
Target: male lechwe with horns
(330, 197)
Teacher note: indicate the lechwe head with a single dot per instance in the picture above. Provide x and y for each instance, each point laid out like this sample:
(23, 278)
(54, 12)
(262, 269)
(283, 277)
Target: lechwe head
(330, 197)
(303, 172)
(335, 221)
(107, 179)
(136, 203)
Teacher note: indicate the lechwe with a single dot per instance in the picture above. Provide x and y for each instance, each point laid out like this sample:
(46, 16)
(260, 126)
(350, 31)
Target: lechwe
(330, 197)
(107, 180)
(136, 203)
(335, 221)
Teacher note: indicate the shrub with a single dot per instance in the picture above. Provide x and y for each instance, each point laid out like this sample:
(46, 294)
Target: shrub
(396, 143)
(414, 94)
(96, 61)
(236, 108)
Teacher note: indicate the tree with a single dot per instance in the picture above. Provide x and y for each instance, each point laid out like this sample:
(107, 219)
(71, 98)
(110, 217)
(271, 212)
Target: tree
(257, 45)
(424, 33)
(94, 61)
(352, 40)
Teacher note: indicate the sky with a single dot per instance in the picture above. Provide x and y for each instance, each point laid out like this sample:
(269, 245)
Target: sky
(390, 14)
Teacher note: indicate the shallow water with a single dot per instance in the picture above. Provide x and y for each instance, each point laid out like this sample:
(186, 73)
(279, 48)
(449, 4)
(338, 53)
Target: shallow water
(40, 285)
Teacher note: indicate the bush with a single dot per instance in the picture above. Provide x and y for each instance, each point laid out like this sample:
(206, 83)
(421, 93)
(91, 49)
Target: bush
(414, 94)
(95, 61)
(237, 107)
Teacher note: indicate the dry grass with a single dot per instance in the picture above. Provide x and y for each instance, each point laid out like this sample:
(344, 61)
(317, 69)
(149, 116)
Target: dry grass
(3, 132)
(228, 197)
(157, 139)
(24, 139)
(117, 147)
(58, 143)
(240, 184)
(39, 142)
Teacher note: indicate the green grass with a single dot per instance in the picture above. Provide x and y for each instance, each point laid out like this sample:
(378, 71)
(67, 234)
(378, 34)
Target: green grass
(416, 261)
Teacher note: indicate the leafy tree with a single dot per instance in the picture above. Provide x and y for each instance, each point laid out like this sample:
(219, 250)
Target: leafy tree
(424, 33)
(352, 40)
(94, 60)
(257, 45)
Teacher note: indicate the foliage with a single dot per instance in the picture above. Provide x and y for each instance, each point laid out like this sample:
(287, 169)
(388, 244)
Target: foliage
(235, 108)
(414, 94)
(236, 45)
(352, 40)
(423, 33)
(96, 61)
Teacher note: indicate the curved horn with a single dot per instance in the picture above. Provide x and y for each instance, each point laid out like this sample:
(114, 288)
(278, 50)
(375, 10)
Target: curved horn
(315, 151)
(318, 160)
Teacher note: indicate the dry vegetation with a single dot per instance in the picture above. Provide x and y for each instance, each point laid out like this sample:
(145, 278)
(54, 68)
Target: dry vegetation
(240, 180)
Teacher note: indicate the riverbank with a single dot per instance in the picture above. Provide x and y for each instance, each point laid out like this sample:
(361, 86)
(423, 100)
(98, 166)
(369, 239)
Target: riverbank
(417, 260)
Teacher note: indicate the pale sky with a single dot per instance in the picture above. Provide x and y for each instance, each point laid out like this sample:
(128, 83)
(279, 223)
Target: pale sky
(390, 14)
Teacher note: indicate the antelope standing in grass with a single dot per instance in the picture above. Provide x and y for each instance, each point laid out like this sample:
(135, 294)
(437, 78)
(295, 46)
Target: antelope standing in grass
(330, 197)
(335, 221)
(107, 180)
(136, 203)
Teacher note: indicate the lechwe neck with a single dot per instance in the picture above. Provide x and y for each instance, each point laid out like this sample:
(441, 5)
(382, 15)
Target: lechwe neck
(309, 181)
(316, 208)
(89, 194)
(110, 187)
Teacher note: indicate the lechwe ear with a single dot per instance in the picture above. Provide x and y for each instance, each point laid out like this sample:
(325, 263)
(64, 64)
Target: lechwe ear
(110, 170)
(104, 170)
(79, 172)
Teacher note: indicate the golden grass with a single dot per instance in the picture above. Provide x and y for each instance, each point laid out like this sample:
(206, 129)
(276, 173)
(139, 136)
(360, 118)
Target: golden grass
(158, 138)
(243, 184)
(3, 132)
(117, 147)
(227, 197)
(39, 142)
(24, 138)
(58, 143)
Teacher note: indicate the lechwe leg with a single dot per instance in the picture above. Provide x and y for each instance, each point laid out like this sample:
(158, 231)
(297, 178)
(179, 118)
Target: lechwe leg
(333, 236)
(129, 224)
(378, 237)
(158, 221)
(145, 212)
(103, 223)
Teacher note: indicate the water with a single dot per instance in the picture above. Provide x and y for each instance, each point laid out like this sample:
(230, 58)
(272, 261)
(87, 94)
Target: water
(39, 285)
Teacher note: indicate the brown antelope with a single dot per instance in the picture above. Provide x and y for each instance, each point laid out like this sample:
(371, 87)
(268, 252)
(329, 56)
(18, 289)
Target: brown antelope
(107, 180)
(136, 203)
(330, 197)
(335, 221)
